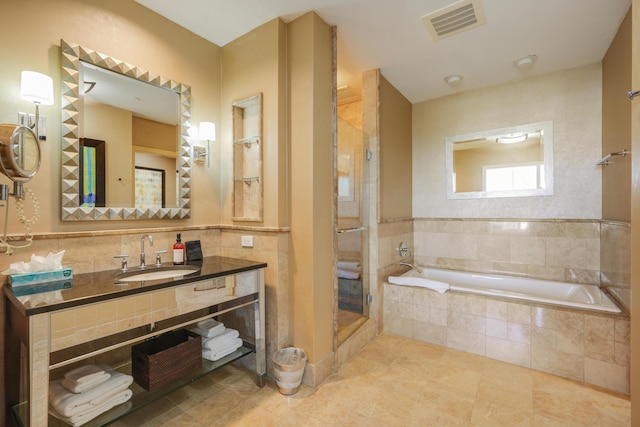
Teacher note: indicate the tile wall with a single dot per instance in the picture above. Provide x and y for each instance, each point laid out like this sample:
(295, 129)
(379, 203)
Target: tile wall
(563, 250)
(585, 347)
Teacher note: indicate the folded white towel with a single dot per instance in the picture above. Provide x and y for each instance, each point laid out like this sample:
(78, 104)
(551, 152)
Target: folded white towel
(220, 341)
(84, 378)
(209, 328)
(68, 404)
(217, 354)
(349, 265)
(347, 274)
(420, 282)
(84, 373)
(86, 416)
(209, 323)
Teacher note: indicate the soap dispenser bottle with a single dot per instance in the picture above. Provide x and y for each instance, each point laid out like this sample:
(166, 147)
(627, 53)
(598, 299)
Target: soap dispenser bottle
(178, 251)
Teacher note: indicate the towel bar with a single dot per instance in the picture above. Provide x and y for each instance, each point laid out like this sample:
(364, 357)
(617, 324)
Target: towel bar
(605, 160)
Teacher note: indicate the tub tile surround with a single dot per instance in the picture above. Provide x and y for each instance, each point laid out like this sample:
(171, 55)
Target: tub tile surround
(586, 347)
(589, 348)
(562, 250)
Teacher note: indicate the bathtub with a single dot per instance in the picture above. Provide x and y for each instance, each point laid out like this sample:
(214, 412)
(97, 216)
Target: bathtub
(572, 295)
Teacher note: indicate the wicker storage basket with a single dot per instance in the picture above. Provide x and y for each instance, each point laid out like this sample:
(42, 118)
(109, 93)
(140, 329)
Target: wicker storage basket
(160, 360)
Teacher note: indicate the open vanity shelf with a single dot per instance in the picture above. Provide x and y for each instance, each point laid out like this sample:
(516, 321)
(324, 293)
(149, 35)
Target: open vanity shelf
(230, 290)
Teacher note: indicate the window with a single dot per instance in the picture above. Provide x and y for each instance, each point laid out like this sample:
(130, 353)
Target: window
(529, 176)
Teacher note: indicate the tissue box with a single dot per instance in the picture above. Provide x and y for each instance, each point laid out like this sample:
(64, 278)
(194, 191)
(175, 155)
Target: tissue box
(41, 287)
(24, 279)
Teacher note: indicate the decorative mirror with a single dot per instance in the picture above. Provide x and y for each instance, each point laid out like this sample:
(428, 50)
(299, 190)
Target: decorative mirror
(509, 162)
(136, 119)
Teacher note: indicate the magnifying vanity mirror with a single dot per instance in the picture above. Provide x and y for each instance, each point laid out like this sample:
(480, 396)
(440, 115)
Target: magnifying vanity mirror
(125, 140)
(19, 155)
(508, 162)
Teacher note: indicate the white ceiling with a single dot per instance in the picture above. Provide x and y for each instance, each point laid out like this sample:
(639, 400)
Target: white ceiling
(390, 35)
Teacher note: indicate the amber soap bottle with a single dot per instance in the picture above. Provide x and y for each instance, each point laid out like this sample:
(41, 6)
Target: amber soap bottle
(178, 251)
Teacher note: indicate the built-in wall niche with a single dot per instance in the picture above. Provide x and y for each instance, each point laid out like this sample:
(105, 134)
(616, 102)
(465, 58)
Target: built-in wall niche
(247, 159)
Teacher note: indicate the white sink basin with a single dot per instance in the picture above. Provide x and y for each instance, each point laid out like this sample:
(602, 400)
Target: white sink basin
(156, 273)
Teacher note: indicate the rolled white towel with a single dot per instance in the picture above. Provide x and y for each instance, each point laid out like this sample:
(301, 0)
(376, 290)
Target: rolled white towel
(217, 354)
(220, 341)
(349, 265)
(68, 404)
(86, 416)
(347, 274)
(84, 378)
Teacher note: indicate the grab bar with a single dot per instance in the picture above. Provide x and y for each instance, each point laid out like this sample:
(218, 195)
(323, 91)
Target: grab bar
(605, 159)
(351, 230)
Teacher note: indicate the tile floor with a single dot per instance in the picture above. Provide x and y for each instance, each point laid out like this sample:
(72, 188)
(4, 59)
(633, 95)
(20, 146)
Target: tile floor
(393, 381)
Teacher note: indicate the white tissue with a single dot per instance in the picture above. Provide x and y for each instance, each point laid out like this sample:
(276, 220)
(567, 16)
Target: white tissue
(38, 263)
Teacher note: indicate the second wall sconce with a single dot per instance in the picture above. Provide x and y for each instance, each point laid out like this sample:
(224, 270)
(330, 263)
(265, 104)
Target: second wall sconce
(206, 132)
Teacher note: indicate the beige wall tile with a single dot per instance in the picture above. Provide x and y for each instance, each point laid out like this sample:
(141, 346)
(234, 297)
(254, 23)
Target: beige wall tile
(543, 317)
(497, 328)
(519, 313)
(558, 363)
(544, 338)
(519, 333)
(607, 375)
(509, 351)
(571, 342)
(497, 310)
(466, 341)
(429, 332)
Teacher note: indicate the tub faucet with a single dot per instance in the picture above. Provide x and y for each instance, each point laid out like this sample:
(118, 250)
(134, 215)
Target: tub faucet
(143, 263)
(406, 264)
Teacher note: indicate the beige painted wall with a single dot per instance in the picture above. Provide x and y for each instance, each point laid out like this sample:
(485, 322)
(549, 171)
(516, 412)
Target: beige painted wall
(126, 31)
(635, 219)
(395, 153)
(616, 125)
(251, 64)
(310, 68)
(572, 99)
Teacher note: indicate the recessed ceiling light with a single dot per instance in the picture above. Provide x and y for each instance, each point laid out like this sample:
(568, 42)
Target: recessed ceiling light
(453, 80)
(525, 62)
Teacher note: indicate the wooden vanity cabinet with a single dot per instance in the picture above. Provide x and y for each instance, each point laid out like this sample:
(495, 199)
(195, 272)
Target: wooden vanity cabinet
(41, 344)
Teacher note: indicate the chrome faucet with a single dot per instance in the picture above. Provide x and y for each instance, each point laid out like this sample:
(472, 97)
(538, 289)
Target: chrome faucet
(143, 263)
(406, 264)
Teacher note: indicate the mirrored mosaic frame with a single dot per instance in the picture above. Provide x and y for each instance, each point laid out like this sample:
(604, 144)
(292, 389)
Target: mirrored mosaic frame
(71, 56)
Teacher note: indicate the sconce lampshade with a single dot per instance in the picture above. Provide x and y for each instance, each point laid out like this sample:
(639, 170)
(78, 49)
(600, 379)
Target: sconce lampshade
(36, 87)
(207, 131)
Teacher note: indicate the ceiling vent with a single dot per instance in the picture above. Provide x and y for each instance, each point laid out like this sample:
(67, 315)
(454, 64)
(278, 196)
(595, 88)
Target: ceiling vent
(456, 18)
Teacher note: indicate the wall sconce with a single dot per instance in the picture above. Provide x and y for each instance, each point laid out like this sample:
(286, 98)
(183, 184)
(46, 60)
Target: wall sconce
(206, 132)
(37, 88)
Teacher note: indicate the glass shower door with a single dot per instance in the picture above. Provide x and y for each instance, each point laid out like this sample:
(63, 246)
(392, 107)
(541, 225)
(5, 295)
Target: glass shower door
(353, 235)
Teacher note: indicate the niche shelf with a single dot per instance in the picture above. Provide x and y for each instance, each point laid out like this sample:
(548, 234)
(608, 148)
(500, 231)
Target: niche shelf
(247, 159)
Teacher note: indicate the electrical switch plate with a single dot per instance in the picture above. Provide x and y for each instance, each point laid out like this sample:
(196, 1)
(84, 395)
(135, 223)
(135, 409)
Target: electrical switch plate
(247, 241)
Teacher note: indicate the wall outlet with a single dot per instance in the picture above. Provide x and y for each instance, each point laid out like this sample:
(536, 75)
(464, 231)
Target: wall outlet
(247, 241)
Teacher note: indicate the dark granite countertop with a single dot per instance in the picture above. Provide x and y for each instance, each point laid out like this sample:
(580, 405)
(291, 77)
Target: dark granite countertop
(102, 286)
